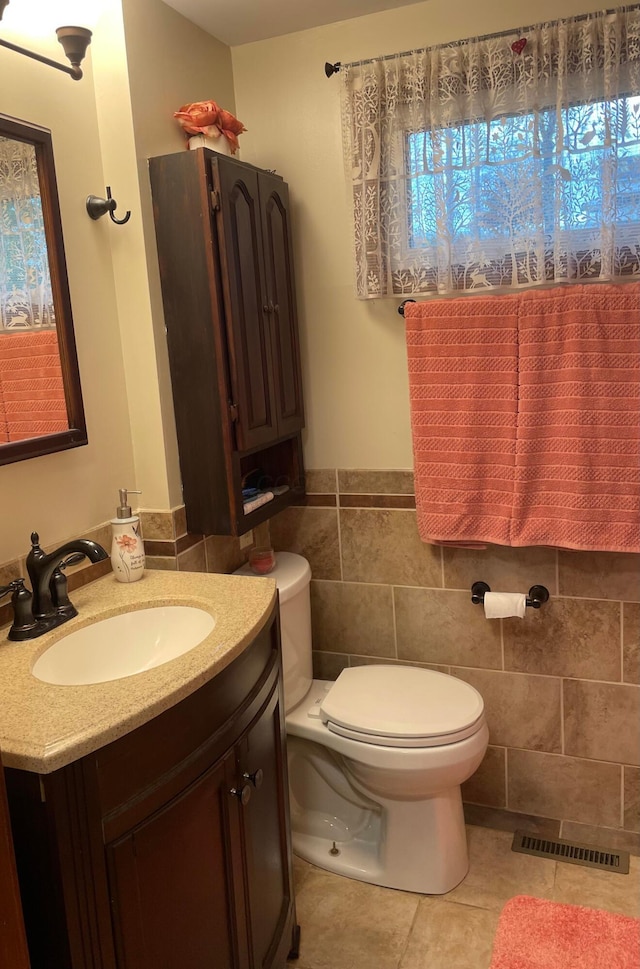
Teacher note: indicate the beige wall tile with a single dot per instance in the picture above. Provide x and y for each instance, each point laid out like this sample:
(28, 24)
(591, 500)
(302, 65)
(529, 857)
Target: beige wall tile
(312, 532)
(615, 839)
(320, 481)
(9, 572)
(563, 787)
(606, 890)
(601, 721)
(436, 626)
(157, 525)
(521, 710)
(504, 569)
(368, 660)
(165, 563)
(179, 521)
(375, 482)
(631, 642)
(498, 819)
(600, 575)
(223, 553)
(193, 560)
(459, 936)
(631, 795)
(349, 617)
(488, 785)
(383, 545)
(566, 637)
(262, 535)
(328, 666)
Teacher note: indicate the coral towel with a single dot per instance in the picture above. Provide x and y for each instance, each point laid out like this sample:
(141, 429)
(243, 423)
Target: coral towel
(463, 382)
(535, 934)
(525, 414)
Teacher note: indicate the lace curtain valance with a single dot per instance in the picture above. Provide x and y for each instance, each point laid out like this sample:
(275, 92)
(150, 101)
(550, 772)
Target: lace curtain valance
(500, 162)
(26, 300)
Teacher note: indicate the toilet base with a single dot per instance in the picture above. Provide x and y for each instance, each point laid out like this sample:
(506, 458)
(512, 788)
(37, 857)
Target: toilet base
(432, 862)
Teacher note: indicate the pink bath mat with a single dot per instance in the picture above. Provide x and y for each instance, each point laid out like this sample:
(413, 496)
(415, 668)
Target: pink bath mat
(535, 934)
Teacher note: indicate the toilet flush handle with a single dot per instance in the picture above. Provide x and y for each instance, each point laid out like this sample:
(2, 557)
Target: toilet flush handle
(256, 778)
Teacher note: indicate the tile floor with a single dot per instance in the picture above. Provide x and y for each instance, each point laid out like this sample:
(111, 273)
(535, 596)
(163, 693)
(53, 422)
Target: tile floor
(348, 924)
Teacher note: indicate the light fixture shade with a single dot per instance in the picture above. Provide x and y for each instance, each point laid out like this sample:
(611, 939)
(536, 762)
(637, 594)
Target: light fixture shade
(75, 41)
(3, 4)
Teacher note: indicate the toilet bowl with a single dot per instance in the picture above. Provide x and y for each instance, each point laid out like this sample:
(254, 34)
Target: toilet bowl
(376, 758)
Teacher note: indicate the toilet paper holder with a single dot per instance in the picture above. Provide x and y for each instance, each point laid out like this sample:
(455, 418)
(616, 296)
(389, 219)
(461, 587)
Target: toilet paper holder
(537, 594)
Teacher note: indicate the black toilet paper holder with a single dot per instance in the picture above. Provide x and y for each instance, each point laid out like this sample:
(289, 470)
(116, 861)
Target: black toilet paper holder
(538, 594)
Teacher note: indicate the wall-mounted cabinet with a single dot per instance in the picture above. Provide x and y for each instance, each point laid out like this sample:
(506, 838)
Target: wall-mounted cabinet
(224, 248)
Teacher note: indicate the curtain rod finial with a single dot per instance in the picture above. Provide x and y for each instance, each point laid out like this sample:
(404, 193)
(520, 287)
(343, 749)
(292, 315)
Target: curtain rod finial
(330, 69)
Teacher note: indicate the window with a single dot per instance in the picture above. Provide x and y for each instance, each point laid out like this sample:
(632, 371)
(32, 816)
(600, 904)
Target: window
(501, 162)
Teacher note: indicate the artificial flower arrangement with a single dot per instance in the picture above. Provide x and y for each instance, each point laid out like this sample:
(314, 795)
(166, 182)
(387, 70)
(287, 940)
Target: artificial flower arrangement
(207, 118)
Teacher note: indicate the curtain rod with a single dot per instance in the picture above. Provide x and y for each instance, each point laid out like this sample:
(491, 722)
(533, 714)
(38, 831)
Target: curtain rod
(331, 69)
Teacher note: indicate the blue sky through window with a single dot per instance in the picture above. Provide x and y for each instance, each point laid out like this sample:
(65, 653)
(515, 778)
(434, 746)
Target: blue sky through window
(483, 180)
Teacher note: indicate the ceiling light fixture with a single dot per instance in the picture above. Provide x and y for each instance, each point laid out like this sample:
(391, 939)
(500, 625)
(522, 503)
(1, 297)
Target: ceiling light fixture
(74, 40)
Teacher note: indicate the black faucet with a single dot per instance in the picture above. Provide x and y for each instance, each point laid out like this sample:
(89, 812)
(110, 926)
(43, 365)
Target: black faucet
(51, 605)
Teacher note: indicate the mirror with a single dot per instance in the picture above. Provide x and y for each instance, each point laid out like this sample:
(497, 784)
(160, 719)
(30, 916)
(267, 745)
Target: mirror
(40, 398)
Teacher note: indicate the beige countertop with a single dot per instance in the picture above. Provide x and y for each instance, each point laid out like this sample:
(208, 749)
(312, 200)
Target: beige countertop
(44, 727)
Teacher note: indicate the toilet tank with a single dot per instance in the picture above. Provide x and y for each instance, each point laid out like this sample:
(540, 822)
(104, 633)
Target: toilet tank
(293, 576)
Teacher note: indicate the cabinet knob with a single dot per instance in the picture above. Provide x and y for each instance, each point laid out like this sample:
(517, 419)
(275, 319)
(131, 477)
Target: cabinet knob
(276, 308)
(256, 778)
(266, 308)
(242, 793)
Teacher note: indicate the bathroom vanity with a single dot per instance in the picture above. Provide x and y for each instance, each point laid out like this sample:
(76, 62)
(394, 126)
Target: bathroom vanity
(150, 814)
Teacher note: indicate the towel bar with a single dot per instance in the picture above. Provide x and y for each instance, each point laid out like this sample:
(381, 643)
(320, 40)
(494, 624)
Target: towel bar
(537, 594)
(403, 303)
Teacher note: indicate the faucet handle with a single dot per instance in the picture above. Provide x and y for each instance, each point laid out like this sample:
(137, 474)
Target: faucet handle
(23, 621)
(72, 560)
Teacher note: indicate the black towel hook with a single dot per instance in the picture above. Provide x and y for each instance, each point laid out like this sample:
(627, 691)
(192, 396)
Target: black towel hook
(97, 207)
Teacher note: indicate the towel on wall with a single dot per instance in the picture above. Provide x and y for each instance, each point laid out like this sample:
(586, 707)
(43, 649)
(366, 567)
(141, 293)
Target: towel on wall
(463, 382)
(525, 414)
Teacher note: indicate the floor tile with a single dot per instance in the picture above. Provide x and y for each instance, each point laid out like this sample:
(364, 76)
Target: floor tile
(448, 935)
(347, 924)
(599, 889)
(496, 873)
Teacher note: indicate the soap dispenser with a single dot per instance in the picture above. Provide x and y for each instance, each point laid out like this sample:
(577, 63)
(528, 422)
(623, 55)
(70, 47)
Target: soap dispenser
(127, 548)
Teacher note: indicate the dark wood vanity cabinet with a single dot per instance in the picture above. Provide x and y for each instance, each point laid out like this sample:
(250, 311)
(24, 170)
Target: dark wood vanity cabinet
(169, 848)
(226, 269)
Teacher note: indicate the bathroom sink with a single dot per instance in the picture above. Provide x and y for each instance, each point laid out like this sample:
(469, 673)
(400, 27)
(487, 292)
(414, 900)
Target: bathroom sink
(123, 645)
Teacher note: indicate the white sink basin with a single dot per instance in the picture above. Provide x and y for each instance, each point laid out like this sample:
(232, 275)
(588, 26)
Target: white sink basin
(123, 645)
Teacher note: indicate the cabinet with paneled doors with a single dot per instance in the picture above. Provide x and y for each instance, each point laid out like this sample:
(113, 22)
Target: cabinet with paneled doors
(169, 848)
(226, 269)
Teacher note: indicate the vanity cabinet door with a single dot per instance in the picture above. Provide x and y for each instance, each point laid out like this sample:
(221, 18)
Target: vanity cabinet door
(265, 827)
(13, 942)
(172, 883)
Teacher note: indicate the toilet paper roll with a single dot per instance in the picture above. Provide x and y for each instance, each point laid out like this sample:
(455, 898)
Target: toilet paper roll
(501, 605)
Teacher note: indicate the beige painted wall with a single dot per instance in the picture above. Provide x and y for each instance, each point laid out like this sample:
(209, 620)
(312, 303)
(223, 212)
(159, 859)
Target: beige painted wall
(354, 355)
(104, 128)
(65, 494)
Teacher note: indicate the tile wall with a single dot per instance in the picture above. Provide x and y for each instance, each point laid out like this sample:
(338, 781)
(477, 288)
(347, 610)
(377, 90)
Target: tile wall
(561, 687)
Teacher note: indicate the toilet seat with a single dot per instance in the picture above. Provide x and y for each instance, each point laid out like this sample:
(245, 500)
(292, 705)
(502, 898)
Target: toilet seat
(401, 706)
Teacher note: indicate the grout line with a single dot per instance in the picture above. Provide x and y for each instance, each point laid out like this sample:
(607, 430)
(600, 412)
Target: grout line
(506, 779)
(393, 619)
(502, 643)
(622, 642)
(557, 573)
(339, 529)
(562, 750)
(622, 796)
(442, 567)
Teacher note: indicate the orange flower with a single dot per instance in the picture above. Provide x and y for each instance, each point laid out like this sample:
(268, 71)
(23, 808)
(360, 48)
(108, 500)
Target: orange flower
(127, 543)
(207, 118)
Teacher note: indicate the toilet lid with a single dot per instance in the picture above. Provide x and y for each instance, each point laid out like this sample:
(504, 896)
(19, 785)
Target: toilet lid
(402, 706)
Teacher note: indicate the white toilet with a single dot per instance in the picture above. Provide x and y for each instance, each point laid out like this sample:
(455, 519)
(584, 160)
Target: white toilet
(376, 759)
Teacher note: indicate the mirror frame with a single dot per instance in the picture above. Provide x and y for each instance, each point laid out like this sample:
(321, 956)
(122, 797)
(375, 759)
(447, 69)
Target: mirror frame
(76, 436)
